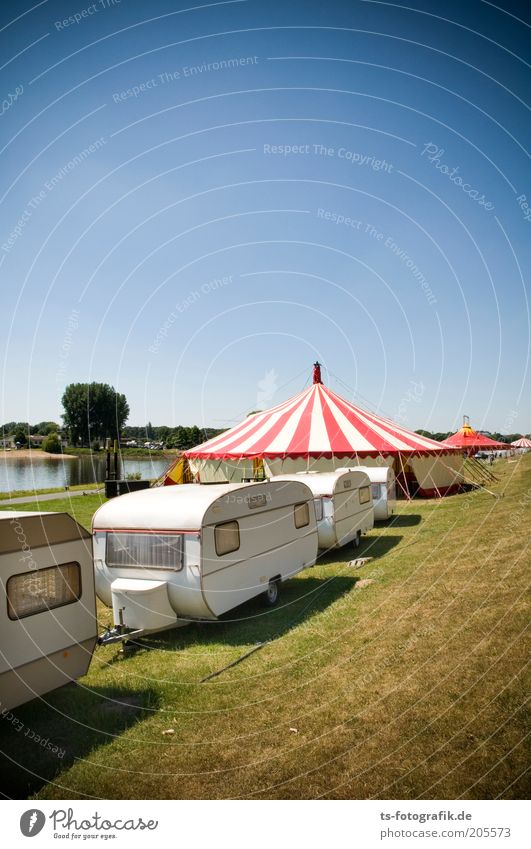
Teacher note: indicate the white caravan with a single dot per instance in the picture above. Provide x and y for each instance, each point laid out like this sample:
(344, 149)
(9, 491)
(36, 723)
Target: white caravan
(48, 626)
(343, 504)
(170, 555)
(383, 485)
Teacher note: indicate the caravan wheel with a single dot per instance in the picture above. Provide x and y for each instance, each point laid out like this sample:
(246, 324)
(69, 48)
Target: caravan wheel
(271, 594)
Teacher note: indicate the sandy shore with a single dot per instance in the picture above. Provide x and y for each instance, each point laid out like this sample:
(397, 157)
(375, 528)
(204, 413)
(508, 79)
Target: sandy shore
(33, 454)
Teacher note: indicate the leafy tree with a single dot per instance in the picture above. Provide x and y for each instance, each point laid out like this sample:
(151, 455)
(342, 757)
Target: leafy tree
(196, 436)
(109, 411)
(503, 437)
(162, 433)
(11, 428)
(76, 415)
(211, 432)
(44, 428)
(179, 438)
(93, 411)
(20, 436)
(52, 444)
(188, 437)
(438, 436)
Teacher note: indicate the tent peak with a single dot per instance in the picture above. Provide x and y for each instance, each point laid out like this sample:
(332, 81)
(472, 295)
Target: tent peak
(317, 372)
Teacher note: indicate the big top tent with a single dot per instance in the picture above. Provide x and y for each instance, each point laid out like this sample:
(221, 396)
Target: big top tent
(319, 430)
(470, 441)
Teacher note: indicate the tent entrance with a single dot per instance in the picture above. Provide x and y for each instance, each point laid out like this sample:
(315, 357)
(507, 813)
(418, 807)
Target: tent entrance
(178, 472)
(407, 484)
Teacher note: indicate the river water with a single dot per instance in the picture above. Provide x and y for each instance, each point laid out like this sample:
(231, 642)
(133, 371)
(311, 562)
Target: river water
(27, 473)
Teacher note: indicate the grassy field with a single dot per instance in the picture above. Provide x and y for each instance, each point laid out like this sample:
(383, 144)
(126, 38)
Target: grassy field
(404, 678)
(18, 493)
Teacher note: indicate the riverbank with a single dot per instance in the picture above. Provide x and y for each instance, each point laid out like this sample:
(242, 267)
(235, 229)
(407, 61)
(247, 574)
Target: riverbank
(132, 453)
(33, 454)
(76, 453)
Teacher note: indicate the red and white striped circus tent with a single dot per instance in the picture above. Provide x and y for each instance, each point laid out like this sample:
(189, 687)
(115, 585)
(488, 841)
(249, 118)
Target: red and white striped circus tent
(319, 430)
(523, 442)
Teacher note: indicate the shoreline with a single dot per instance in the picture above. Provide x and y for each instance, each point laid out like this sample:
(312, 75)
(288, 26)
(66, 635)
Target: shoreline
(33, 454)
(39, 454)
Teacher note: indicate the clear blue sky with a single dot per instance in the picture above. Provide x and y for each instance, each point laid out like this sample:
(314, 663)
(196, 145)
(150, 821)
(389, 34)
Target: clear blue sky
(197, 205)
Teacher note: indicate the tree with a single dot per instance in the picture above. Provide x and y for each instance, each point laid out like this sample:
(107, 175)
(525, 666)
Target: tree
(76, 415)
(178, 438)
(439, 437)
(20, 436)
(196, 436)
(93, 411)
(503, 437)
(45, 428)
(110, 411)
(162, 433)
(52, 444)
(184, 438)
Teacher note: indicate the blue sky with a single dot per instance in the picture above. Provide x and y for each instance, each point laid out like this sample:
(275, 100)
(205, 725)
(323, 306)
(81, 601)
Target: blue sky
(197, 204)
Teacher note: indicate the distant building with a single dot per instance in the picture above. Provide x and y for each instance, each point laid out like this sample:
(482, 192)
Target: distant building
(35, 440)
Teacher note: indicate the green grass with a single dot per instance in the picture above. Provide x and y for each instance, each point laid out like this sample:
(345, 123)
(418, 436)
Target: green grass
(81, 507)
(18, 493)
(401, 679)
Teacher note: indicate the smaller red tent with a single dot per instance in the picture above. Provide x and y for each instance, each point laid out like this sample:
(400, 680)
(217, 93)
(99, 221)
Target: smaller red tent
(471, 441)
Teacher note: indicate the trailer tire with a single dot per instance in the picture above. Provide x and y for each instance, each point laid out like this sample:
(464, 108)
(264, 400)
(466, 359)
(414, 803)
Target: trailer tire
(271, 594)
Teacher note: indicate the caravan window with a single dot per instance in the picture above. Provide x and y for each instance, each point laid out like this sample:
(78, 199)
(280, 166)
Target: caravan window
(375, 490)
(318, 508)
(155, 551)
(43, 589)
(365, 494)
(226, 538)
(301, 514)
